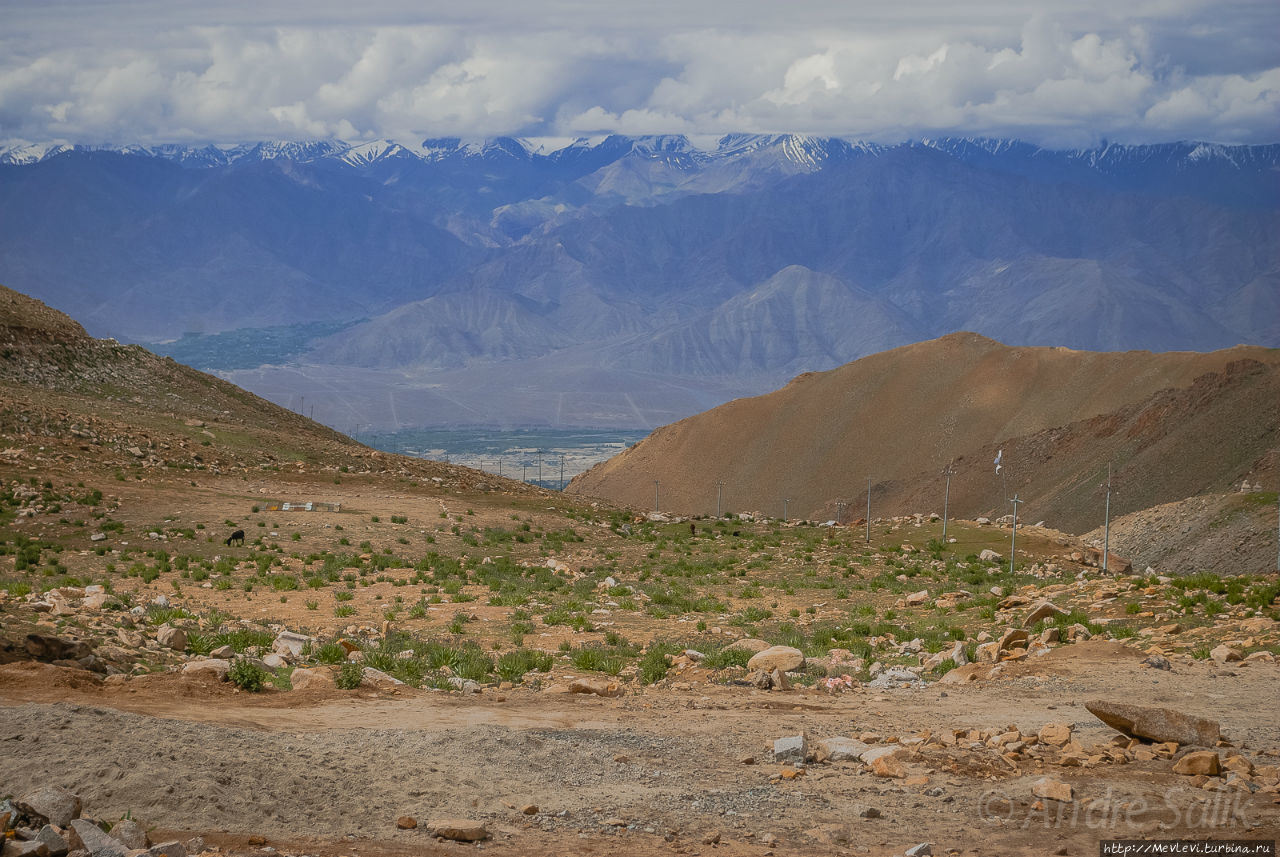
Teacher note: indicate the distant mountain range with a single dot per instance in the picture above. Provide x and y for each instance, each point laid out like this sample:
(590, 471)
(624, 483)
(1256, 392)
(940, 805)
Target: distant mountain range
(630, 281)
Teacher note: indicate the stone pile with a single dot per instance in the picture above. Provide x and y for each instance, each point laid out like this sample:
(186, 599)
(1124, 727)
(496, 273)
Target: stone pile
(47, 822)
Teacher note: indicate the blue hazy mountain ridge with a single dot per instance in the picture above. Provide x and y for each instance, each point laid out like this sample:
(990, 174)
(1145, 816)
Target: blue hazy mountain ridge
(754, 259)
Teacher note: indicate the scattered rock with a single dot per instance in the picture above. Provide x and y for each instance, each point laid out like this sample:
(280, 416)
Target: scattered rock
(1055, 734)
(839, 749)
(793, 748)
(1052, 790)
(895, 677)
(916, 598)
(988, 555)
(1157, 662)
(529, 809)
(1043, 610)
(172, 638)
(87, 835)
(748, 644)
(311, 679)
(406, 822)
(42, 647)
(369, 675)
(130, 834)
(28, 848)
(1200, 762)
(54, 841)
(1156, 724)
(458, 829)
(290, 643)
(1224, 654)
(596, 687)
(49, 805)
(1014, 638)
(921, 850)
(783, 658)
(216, 667)
(888, 766)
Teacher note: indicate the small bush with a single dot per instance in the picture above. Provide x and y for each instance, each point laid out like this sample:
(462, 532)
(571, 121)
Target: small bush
(350, 676)
(598, 659)
(513, 665)
(247, 675)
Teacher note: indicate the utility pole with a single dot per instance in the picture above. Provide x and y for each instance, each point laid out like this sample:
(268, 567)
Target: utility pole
(656, 483)
(719, 491)
(499, 465)
(1013, 548)
(868, 510)
(1106, 526)
(785, 501)
(539, 468)
(562, 472)
(524, 471)
(946, 499)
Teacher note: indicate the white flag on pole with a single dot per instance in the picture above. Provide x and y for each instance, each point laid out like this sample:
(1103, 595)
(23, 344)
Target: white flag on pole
(999, 455)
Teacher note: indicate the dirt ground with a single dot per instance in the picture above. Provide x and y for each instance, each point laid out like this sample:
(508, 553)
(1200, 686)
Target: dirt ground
(653, 772)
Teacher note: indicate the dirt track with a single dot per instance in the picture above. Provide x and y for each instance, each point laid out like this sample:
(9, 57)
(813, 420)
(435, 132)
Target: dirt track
(331, 773)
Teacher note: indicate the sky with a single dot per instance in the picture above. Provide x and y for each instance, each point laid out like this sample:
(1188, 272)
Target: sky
(1067, 73)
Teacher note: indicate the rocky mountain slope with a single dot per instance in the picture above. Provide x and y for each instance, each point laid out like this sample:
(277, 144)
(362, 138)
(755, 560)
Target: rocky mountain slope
(65, 397)
(719, 267)
(1171, 425)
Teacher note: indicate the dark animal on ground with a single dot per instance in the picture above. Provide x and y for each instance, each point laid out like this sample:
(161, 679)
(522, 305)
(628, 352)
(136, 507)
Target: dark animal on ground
(237, 536)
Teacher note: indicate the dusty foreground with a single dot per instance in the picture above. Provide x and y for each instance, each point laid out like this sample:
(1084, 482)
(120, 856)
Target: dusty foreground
(685, 770)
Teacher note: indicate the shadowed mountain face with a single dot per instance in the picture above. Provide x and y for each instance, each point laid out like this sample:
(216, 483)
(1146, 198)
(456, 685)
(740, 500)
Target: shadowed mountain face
(719, 271)
(1171, 425)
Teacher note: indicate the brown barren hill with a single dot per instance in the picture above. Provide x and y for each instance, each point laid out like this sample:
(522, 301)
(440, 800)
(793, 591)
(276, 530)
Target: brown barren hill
(120, 408)
(899, 417)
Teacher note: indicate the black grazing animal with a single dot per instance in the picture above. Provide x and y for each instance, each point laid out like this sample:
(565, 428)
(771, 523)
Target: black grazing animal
(237, 536)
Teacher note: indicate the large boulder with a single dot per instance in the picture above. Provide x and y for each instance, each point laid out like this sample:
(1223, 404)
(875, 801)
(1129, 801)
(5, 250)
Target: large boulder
(840, 749)
(171, 637)
(43, 647)
(312, 679)
(1199, 763)
(458, 829)
(290, 644)
(1156, 724)
(792, 748)
(1043, 610)
(49, 805)
(216, 667)
(89, 836)
(783, 658)
(130, 834)
(747, 644)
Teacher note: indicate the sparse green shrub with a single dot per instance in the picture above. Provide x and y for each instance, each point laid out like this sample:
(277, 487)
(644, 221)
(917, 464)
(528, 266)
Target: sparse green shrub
(598, 659)
(247, 675)
(513, 665)
(349, 676)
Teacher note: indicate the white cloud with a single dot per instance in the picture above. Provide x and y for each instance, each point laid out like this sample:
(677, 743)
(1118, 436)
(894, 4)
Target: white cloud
(1050, 71)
